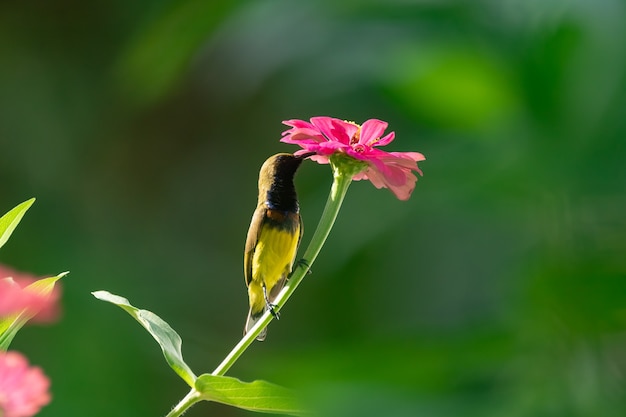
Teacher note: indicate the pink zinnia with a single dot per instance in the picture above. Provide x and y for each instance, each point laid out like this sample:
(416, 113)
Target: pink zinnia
(327, 136)
(23, 389)
(15, 297)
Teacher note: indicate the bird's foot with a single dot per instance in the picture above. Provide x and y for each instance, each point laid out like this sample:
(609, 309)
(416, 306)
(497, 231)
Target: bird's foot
(304, 263)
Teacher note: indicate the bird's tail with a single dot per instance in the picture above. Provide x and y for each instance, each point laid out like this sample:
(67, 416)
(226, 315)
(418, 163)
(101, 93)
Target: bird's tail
(251, 321)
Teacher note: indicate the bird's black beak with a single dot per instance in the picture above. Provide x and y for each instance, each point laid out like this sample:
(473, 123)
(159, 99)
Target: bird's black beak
(305, 155)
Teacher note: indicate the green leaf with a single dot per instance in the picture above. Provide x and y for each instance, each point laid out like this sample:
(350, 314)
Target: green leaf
(9, 221)
(260, 396)
(165, 336)
(9, 326)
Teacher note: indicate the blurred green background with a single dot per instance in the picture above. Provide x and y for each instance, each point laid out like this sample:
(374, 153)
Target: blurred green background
(498, 289)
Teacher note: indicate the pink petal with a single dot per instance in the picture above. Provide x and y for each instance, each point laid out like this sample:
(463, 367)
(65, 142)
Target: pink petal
(373, 176)
(416, 156)
(409, 160)
(401, 182)
(404, 191)
(334, 146)
(335, 129)
(320, 159)
(298, 124)
(371, 130)
(302, 135)
(393, 171)
(307, 148)
(15, 297)
(392, 174)
(386, 140)
(23, 389)
(361, 156)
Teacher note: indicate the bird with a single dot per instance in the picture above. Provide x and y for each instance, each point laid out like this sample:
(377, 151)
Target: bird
(273, 236)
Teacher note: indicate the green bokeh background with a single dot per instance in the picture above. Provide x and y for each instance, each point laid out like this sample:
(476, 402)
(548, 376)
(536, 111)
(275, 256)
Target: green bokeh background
(498, 289)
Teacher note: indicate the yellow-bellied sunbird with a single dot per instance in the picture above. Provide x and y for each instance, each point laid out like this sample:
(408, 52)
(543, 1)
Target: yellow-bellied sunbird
(273, 237)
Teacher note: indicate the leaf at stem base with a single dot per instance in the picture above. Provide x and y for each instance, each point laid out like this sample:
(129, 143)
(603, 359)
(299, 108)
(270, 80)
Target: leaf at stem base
(166, 337)
(260, 396)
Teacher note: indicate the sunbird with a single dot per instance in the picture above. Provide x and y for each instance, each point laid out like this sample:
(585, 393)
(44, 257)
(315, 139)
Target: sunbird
(273, 237)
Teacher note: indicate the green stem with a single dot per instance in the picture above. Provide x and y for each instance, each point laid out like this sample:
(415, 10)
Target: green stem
(341, 182)
(184, 404)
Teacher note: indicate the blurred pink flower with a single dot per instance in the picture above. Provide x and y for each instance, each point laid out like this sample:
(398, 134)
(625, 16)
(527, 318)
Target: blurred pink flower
(327, 136)
(14, 298)
(23, 389)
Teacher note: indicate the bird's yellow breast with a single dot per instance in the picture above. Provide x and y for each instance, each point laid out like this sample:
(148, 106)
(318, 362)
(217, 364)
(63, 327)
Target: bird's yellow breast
(274, 254)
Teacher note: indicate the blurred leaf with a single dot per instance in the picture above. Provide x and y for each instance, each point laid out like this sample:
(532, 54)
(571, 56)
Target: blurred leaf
(9, 221)
(454, 87)
(260, 396)
(10, 325)
(165, 336)
(159, 54)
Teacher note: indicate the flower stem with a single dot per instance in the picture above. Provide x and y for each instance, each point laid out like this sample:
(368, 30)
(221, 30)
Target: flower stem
(190, 399)
(341, 182)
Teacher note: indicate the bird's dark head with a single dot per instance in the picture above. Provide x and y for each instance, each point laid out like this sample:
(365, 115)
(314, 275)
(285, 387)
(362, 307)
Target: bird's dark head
(281, 165)
(276, 180)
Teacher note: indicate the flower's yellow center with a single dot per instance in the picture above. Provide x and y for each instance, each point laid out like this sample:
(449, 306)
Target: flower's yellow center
(357, 135)
(358, 148)
(354, 140)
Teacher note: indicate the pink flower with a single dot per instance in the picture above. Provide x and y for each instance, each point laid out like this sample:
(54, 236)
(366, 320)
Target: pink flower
(23, 389)
(327, 136)
(14, 297)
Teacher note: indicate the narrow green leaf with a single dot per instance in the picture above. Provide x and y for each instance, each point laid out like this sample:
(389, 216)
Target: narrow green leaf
(9, 221)
(45, 286)
(260, 396)
(9, 326)
(165, 336)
